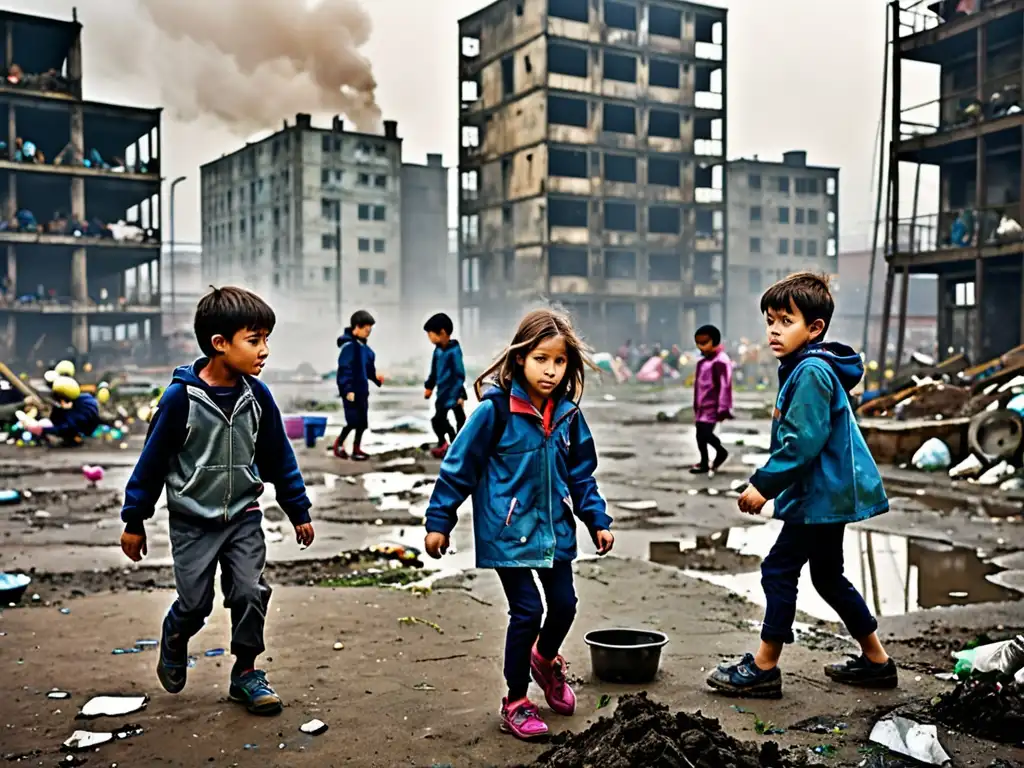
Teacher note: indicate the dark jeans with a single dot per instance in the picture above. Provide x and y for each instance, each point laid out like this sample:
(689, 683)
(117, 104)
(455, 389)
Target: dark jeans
(706, 436)
(822, 547)
(442, 427)
(525, 612)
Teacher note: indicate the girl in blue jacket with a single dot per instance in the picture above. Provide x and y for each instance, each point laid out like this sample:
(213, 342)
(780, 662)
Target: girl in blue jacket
(527, 458)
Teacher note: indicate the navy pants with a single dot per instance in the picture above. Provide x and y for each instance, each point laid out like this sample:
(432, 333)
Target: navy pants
(357, 412)
(525, 615)
(822, 547)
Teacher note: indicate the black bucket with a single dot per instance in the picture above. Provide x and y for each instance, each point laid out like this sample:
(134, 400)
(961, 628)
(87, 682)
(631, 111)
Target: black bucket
(630, 656)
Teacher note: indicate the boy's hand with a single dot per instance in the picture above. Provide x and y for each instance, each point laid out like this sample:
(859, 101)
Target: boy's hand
(380, 379)
(436, 545)
(134, 546)
(604, 541)
(460, 402)
(724, 415)
(351, 397)
(304, 534)
(751, 501)
(427, 393)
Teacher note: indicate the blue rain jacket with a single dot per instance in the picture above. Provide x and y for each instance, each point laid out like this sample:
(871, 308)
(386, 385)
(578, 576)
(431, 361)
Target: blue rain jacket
(820, 469)
(528, 486)
(447, 375)
(357, 366)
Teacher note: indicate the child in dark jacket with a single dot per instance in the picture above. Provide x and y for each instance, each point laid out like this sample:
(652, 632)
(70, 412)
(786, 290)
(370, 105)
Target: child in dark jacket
(215, 438)
(712, 396)
(822, 477)
(356, 369)
(74, 418)
(527, 458)
(448, 378)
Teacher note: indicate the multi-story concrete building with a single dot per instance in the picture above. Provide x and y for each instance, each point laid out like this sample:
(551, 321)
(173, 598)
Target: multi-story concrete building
(309, 217)
(80, 193)
(429, 280)
(592, 137)
(783, 218)
(974, 243)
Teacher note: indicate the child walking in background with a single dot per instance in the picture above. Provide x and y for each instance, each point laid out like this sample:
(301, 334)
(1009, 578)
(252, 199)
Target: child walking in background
(356, 369)
(712, 397)
(527, 458)
(448, 377)
(822, 477)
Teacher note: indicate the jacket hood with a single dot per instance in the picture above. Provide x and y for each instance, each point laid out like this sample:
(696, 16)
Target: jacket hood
(845, 362)
(346, 335)
(189, 374)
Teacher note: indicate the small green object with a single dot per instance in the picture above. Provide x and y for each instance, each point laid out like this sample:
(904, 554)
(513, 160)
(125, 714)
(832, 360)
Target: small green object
(604, 701)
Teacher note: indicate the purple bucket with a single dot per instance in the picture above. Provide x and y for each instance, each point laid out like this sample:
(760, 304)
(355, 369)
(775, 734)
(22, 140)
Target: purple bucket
(294, 427)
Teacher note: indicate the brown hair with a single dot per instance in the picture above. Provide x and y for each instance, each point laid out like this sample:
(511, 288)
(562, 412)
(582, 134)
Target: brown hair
(809, 292)
(539, 326)
(228, 310)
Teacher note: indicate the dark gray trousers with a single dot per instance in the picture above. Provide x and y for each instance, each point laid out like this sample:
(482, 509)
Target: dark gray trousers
(241, 550)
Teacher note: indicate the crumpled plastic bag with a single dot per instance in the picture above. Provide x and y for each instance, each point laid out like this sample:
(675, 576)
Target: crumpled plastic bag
(932, 456)
(969, 467)
(1006, 656)
(906, 737)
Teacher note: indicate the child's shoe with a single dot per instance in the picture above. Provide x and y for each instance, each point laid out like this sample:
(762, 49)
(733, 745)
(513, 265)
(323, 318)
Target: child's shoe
(439, 451)
(747, 680)
(172, 662)
(522, 720)
(859, 671)
(359, 455)
(339, 449)
(699, 469)
(551, 678)
(253, 690)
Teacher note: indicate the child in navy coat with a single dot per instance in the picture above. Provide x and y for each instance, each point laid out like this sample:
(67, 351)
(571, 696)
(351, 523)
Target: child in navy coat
(356, 369)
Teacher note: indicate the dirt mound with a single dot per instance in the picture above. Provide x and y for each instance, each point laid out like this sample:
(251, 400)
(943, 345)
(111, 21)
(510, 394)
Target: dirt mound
(643, 732)
(984, 708)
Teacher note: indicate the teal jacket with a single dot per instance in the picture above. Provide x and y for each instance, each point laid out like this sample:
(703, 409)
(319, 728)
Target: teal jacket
(820, 469)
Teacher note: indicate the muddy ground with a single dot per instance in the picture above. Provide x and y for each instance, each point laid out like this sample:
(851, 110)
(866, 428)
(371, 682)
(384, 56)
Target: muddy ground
(399, 694)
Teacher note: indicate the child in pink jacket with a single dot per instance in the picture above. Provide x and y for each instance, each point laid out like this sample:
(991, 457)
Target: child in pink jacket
(712, 396)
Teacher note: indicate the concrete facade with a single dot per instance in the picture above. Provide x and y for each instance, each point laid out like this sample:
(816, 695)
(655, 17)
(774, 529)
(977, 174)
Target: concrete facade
(783, 218)
(592, 137)
(429, 276)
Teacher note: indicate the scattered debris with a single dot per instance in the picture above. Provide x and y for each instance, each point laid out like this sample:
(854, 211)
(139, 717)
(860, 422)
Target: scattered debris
(637, 506)
(112, 706)
(604, 701)
(12, 587)
(423, 687)
(55, 694)
(906, 737)
(313, 727)
(214, 652)
(410, 620)
(339, 646)
(985, 708)
(123, 651)
(932, 456)
(821, 724)
(761, 728)
(80, 741)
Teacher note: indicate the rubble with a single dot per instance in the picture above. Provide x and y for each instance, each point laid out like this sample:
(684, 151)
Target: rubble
(985, 708)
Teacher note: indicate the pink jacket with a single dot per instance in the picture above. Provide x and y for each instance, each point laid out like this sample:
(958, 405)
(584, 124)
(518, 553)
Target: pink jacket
(712, 388)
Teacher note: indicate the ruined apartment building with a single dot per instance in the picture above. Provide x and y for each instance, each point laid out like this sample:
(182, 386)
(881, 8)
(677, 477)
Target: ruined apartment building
(783, 218)
(592, 137)
(310, 218)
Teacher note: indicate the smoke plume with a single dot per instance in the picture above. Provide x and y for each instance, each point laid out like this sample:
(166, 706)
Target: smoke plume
(249, 64)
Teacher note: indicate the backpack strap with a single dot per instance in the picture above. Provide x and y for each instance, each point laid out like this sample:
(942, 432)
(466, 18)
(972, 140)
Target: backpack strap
(502, 409)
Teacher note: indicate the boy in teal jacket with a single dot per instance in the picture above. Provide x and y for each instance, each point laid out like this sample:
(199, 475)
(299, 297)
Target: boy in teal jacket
(822, 477)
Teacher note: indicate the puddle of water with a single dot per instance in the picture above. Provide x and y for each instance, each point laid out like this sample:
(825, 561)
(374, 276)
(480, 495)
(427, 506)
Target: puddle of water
(759, 441)
(896, 574)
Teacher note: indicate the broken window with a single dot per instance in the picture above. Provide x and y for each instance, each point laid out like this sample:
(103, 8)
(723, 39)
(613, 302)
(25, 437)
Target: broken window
(564, 59)
(666, 22)
(620, 168)
(620, 217)
(619, 67)
(470, 46)
(664, 124)
(470, 91)
(664, 172)
(575, 10)
(567, 212)
(664, 74)
(470, 136)
(618, 118)
(470, 228)
(470, 184)
(664, 219)
(620, 15)
(620, 265)
(567, 261)
(563, 110)
(664, 267)
(508, 76)
(567, 162)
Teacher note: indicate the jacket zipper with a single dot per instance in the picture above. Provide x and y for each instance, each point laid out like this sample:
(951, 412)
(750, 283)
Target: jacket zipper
(511, 509)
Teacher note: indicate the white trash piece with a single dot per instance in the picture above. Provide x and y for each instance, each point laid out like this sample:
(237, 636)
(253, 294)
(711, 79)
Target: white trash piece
(81, 740)
(113, 706)
(313, 727)
(969, 467)
(911, 739)
(932, 456)
(993, 475)
(1006, 656)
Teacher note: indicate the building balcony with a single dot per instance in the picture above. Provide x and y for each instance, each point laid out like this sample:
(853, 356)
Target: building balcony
(40, 47)
(932, 32)
(959, 236)
(65, 305)
(144, 174)
(12, 237)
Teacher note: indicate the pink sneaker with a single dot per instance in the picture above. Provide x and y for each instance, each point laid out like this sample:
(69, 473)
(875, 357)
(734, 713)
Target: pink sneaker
(522, 720)
(551, 678)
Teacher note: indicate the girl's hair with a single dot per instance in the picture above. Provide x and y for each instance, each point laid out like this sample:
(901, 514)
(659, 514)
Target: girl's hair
(536, 327)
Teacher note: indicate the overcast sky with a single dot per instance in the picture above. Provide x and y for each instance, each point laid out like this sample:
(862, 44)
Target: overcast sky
(802, 74)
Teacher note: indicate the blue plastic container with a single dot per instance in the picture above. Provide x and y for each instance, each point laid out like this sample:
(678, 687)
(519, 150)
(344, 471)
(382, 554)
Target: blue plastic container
(313, 427)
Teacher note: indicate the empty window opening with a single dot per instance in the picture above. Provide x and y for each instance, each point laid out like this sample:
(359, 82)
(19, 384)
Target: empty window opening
(619, 119)
(620, 265)
(755, 213)
(364, 244)
(563, 110)
(508, 76)
(664, 74)
(783, 215)
(470, 91)
(566, 59)
(567, 212)
(620, 15)
(664, 124)
(470, 185)
(619, 67)
(755, 245)
(783, 185)
(665, 22)
(830, 186)
(470, 229)
(798, 215)
(830, 247)
(470, 136)
(664, 267)
(470, 46)
(566, 261)
(379, 213)
(620, 168)
(784, 246)
(381, 182)
(664, 172)
(567, 162)
(575, 10)
(664, 219)
(754, 181)
(620, 217)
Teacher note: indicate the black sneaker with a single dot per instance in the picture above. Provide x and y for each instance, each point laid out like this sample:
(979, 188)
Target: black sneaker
(745, 679)
(172, 662)
(863, 673)
(699, 469)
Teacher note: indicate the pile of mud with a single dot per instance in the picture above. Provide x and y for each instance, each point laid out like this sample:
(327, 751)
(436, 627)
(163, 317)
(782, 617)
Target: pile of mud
(984, 708)
(643, 732)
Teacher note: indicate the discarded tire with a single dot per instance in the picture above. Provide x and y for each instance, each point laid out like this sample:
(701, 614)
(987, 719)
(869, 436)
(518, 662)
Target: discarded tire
(995, 435)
